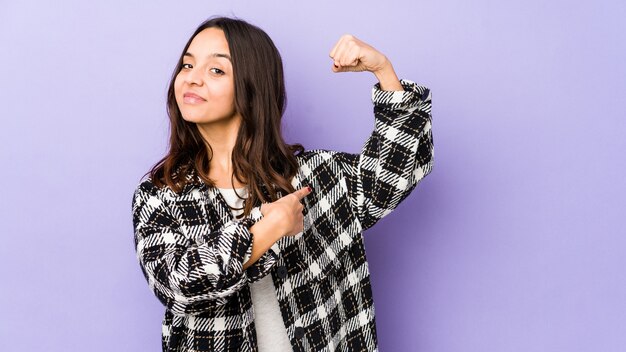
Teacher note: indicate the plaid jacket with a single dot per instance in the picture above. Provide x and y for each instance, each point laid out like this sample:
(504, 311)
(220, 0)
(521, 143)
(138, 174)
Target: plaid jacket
(191, 250)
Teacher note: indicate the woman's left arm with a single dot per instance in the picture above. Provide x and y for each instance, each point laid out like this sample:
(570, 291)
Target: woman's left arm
(399, 152)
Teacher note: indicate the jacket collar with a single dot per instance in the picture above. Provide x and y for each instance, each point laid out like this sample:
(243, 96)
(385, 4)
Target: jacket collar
(195, 182)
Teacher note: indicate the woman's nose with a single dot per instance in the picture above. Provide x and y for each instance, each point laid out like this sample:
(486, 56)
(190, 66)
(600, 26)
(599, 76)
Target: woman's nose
(194, 76)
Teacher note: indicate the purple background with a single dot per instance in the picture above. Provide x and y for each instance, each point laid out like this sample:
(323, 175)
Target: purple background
(515, 242)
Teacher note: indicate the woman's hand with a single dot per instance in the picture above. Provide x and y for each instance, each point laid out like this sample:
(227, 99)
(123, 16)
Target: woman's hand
(286, 212)
(280, 218)
(353, 55)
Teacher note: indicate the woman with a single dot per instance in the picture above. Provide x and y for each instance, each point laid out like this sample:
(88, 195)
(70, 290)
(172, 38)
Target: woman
(250, 243)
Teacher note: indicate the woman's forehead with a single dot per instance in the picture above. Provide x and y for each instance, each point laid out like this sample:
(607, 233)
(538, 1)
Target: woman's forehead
(210, 43)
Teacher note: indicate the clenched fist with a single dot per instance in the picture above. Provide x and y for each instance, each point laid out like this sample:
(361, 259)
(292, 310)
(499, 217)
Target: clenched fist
(350, 54)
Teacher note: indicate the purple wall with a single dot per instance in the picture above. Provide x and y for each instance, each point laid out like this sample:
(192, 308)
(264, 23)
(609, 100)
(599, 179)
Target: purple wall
(514, 243)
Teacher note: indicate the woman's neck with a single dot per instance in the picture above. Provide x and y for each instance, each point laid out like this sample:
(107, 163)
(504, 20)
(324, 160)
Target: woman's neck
(222, 136)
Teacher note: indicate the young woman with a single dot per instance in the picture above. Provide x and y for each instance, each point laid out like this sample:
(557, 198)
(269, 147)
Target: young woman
(256, 245)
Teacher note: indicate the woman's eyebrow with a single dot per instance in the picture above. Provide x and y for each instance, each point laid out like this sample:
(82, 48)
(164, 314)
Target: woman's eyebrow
(226, 56)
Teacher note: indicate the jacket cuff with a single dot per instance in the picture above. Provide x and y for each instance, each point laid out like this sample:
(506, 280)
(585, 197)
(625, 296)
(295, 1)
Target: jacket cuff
(409, 98)
(256, 215)
(264, 264)
(248, 224)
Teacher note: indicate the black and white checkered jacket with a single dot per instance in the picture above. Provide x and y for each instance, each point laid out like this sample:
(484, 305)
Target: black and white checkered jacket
(191, 249)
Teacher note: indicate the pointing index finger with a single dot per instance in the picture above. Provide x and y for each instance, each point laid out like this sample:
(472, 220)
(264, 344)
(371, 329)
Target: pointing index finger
(302, 192)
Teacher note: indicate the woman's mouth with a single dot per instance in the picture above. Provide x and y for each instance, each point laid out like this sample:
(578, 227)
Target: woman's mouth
(191, 98)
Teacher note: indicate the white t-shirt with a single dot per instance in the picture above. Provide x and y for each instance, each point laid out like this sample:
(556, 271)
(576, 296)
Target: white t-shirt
(270, 329)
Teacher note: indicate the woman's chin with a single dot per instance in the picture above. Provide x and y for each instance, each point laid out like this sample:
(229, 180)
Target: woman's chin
(193, 118)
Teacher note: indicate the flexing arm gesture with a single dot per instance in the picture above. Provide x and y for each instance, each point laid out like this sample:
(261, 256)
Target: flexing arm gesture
(353, 55)
(284, 216)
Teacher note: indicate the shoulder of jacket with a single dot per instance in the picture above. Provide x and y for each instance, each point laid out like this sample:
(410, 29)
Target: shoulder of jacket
(147, 187)
(312, 154)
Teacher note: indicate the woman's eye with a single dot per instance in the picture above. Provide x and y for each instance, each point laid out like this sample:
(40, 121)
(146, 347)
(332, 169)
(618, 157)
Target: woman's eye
(217, 71)
(187, 66)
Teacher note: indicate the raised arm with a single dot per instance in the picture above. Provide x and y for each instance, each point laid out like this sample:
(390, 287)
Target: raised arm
(399, 152)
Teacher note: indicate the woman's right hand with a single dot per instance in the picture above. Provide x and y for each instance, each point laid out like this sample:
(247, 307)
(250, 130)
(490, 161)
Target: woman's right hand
(282, 217)
(286, 212)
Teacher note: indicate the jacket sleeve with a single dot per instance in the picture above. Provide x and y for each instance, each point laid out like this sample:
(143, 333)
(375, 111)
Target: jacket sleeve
(263, 266)
(395, 157)
(188, 275)
(267, 261)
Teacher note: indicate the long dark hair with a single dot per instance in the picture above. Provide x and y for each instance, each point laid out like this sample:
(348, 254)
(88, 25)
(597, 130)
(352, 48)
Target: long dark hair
(261, 158)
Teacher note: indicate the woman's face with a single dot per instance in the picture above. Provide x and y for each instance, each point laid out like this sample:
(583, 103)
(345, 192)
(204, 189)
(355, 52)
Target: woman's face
(205, 87)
